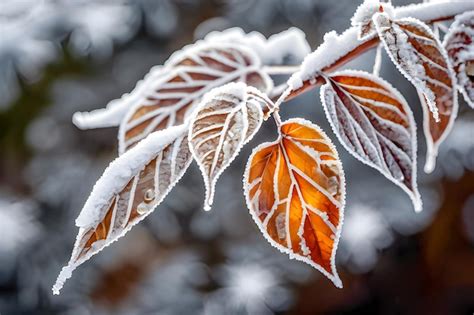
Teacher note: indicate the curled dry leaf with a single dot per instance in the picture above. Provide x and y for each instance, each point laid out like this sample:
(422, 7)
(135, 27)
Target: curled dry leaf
(375, 124)
(419, 55)
(295, 192)
(131, 188)
(170, 99)
(459, 43)
(227, 118)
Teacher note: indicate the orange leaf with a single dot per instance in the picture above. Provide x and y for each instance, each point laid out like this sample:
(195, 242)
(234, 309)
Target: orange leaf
(131, 188)
(227, 118)
(459, 42)
(421, 58)
(295, 192)
(374, 123)
(190, 74)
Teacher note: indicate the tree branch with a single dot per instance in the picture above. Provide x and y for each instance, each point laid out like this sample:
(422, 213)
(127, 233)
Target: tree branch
(337, 50)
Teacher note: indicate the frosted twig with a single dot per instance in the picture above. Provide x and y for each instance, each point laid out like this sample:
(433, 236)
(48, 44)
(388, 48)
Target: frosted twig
(276, 117)
(277, 91)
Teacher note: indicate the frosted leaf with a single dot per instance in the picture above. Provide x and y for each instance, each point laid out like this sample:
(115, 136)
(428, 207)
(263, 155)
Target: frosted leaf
(435, 11)
(406, 57)
(421, 58)
(197, 69)
(121, 197)
(362, 18)
(459, 43)
(295, 192)
(375, 124)
(226, 119)
(225, 55)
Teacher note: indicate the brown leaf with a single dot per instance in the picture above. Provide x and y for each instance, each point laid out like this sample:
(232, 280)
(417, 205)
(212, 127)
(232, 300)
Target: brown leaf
(421, 58)
(459, 42)
(295, 192)
(191, 73)
(131, 188)
(375, 124)
(227, 118)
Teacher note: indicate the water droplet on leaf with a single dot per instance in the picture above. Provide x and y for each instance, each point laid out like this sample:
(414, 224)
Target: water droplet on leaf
(149, 195)
(143, 208)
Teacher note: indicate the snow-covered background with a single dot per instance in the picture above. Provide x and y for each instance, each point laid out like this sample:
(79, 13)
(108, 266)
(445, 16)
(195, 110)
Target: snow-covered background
(59, 57)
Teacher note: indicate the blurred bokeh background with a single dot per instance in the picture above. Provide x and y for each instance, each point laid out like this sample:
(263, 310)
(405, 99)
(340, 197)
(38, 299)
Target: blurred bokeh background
(62, 56)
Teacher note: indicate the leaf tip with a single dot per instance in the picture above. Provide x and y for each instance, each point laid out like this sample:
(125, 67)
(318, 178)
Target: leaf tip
(430, 163)
(78, 120)
(417, 204)
(208, 201)
(337, 281)
(65, 274)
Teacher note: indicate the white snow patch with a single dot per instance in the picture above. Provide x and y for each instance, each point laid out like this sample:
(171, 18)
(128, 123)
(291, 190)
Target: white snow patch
(434, 11)
(120, 171)
(273, 50)
(368, 8)
(461, 54)
(335, 46)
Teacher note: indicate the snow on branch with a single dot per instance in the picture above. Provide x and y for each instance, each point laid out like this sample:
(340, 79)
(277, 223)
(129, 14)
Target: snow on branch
(274, 50)
(335, 47)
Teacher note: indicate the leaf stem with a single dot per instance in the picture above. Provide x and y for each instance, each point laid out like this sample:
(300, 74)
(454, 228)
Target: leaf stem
(276, 117)
(277, 91)
(377, 61)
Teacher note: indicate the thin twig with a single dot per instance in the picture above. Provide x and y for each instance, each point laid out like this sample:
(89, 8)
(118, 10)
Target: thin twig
(377, 61)
(276, 117)
(277, 91)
